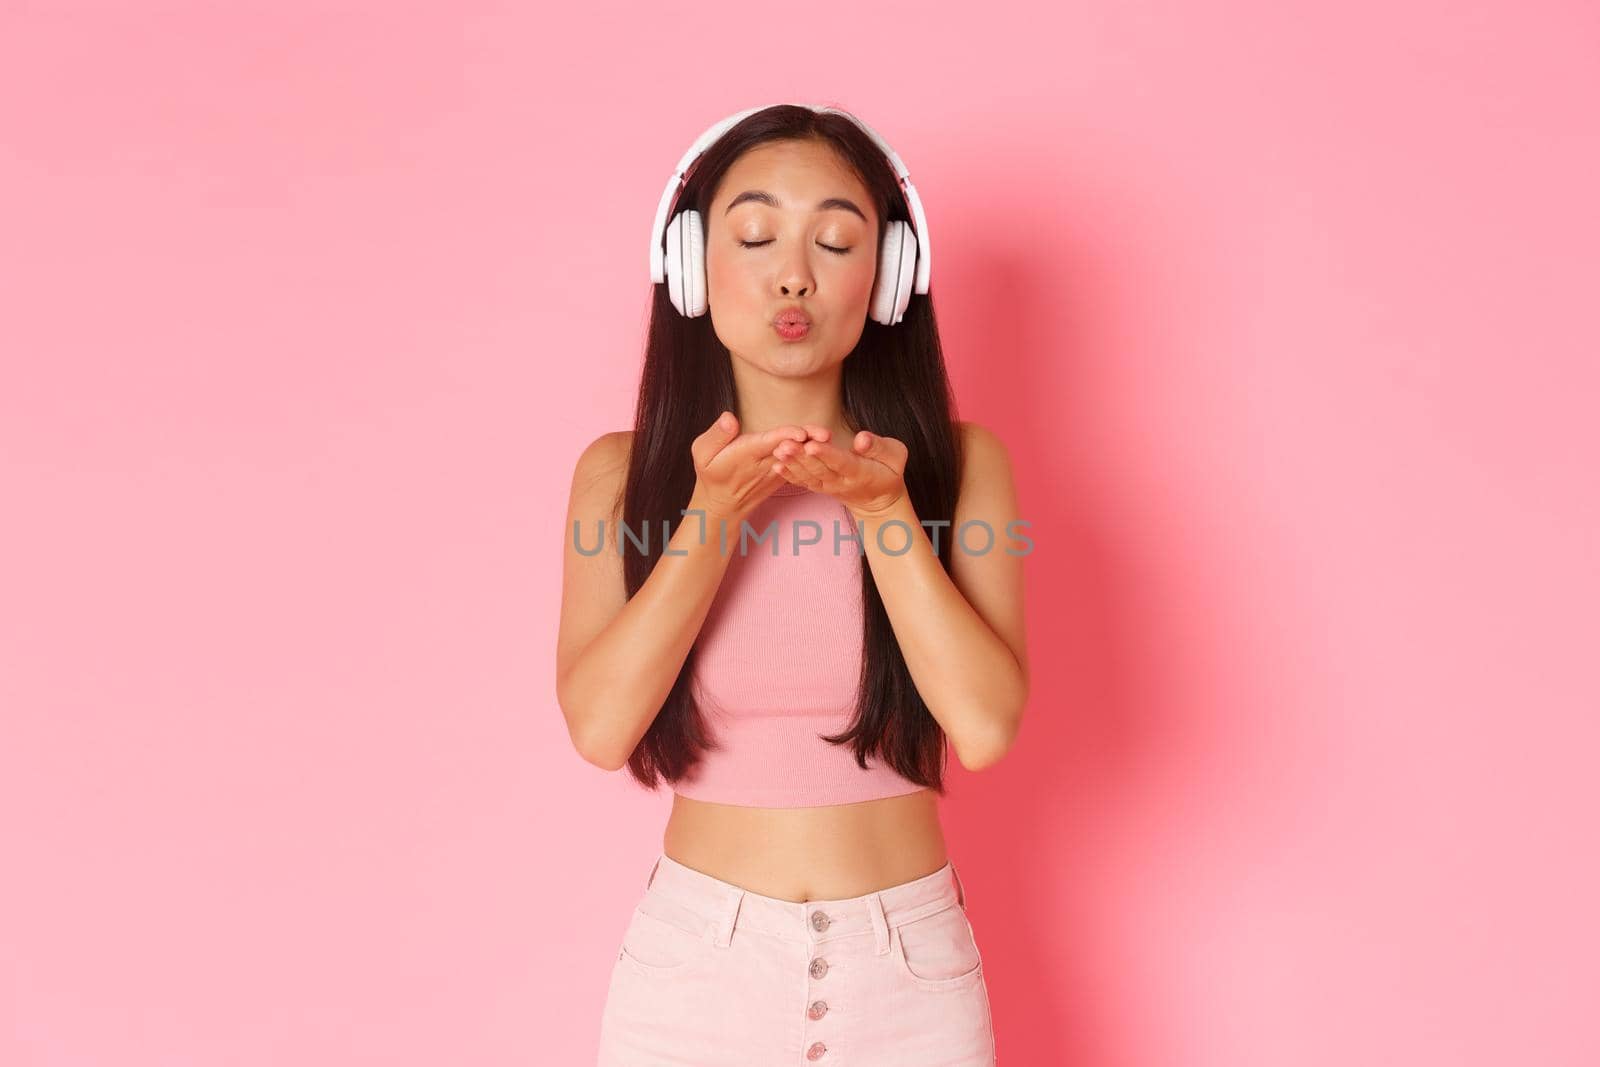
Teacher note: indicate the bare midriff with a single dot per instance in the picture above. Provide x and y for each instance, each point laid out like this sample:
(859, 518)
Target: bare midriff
(831, 852)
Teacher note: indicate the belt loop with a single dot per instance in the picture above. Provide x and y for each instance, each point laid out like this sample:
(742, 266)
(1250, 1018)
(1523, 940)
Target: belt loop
(880, 924)
(652, 877)
(961, 893)
(722, 926)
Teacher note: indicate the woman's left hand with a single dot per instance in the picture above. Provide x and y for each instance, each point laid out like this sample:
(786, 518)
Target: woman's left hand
(868, 477)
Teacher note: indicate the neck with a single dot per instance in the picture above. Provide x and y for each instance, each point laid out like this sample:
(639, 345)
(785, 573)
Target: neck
(765, 401)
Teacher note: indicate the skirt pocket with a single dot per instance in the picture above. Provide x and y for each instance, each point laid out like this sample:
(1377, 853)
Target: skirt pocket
(663, 939)
(938, 951)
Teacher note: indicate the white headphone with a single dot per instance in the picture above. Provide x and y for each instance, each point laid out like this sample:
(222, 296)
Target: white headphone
(904, 257)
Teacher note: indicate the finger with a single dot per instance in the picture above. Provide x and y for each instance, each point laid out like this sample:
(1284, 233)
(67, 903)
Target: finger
(798, 475)
(744, 458)
(784, 454)
(879, 449)
(790, 432)
(768, 480)
(714, 439)
(788, 448)
(823, 460)
(781, 470)
(818, 432)
(751, 455)
(795, 455)
(886, 450)
(754, 447)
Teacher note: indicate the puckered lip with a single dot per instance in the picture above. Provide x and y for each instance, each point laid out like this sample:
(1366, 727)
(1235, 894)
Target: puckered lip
(790, 316)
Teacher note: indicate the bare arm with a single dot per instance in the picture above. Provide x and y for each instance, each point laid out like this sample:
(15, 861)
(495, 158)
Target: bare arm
(618, 657)
(961, 633)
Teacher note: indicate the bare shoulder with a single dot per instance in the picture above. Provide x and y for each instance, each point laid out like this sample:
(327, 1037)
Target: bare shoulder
(986, 464)
(606, 452)
(599, 472)
(976, 436)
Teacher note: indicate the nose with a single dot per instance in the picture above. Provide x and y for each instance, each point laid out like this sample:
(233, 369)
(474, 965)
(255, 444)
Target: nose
(794, 276)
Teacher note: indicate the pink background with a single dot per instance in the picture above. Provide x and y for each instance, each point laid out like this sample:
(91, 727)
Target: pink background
(1285, 312)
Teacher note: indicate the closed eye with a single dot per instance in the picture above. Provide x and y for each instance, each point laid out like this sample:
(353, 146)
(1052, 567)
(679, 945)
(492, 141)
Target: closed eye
(768, 241)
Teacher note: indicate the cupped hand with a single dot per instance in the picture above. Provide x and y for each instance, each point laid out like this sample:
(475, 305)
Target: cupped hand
(867, 476)
(733, 471)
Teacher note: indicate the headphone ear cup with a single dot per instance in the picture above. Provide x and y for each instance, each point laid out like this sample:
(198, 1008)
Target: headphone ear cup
(686, 264)
(672, 266)
(897, 261)
(694, 264)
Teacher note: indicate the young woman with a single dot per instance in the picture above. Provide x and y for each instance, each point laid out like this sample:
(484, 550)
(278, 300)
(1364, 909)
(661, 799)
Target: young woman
(801, 692)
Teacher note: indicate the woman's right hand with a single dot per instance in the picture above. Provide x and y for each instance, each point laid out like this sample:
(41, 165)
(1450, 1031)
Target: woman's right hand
(734, 471)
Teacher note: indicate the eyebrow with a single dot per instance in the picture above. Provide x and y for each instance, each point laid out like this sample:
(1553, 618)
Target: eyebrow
(761, 197)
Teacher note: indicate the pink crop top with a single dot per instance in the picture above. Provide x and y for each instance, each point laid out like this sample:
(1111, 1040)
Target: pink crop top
(779, 662)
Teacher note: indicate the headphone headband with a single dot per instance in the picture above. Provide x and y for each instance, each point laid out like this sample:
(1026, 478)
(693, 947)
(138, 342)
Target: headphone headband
(676, 182)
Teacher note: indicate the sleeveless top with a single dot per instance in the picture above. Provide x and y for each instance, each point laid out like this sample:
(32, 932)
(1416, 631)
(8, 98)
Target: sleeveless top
(779, 661)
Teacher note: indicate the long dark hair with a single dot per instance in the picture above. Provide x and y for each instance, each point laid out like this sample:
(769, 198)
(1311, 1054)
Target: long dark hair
(894, 383)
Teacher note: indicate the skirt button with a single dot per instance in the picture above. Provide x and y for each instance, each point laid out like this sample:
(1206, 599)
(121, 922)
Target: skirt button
(815, 1051)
